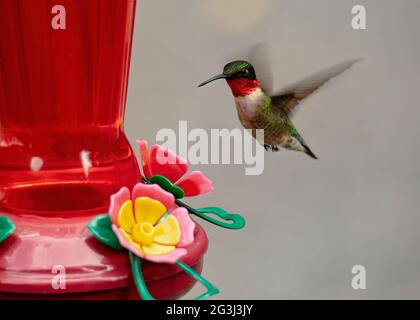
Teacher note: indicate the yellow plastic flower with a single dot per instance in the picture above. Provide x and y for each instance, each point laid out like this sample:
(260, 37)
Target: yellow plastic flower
(145, 226)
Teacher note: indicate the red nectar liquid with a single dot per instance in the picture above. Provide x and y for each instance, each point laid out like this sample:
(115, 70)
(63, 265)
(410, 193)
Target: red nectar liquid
(62, 102)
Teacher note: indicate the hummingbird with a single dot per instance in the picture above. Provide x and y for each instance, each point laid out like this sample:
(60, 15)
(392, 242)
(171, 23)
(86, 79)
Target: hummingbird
(258, 108)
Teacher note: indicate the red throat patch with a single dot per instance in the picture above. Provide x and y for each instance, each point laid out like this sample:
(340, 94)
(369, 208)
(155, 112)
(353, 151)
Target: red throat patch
(242, 87)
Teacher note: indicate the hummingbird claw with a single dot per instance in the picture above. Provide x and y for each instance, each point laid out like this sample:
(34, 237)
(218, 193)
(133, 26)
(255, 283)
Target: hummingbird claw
(275, 148)
(267, 147)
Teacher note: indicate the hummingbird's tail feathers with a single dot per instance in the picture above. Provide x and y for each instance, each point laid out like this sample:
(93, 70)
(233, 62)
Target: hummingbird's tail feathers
(288, 98)
(309, 152)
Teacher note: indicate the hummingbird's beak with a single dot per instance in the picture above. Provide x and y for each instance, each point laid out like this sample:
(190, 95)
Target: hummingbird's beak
(219, 76)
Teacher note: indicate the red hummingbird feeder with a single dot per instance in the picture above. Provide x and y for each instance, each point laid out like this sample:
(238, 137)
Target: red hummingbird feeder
(63, 150)
(63, 153)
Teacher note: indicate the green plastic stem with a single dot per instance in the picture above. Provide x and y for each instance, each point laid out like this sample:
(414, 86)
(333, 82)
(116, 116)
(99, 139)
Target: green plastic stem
(211, 289)
(228, 220)
(142, 287)
(138, 277)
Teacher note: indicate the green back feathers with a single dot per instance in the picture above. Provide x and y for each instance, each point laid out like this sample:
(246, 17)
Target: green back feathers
(269, 119)
(265, 107)
(266, 117)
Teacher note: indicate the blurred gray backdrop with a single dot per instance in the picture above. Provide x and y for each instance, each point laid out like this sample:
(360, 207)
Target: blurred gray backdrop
(308, 222)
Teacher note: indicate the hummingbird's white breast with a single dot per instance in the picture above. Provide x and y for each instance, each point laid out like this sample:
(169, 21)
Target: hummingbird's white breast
(247, 106)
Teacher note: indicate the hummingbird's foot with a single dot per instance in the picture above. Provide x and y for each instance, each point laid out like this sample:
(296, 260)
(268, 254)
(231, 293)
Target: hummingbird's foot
(267, 147)
(275, 148)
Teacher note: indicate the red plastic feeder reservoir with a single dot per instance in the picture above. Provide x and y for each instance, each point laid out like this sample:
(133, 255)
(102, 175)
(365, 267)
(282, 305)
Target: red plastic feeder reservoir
(63, 152)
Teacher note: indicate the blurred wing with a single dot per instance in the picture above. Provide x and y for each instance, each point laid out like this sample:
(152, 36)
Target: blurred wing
(289, 98)
(258, 56)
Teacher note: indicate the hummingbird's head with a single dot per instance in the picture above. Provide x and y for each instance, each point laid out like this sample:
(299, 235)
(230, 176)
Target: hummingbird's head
(240, 76)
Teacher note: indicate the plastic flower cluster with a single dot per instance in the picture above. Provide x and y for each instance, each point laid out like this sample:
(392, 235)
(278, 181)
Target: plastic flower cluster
(151, 221)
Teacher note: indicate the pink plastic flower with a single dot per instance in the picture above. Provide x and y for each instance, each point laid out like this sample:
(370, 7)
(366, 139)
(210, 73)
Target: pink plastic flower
(163, 162)
(142, 223)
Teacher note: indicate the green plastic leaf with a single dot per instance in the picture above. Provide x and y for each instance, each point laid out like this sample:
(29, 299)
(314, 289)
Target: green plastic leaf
(7, 227)
(101, 228)
(167, 185)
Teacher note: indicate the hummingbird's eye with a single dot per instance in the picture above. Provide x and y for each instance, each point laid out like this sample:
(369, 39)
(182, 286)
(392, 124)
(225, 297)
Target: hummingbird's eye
(243, 72)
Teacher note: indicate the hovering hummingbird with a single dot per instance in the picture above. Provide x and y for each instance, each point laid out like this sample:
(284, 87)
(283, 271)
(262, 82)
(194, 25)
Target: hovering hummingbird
(259, 109)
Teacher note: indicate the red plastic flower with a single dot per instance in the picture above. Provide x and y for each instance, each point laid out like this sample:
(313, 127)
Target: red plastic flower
(159, 161)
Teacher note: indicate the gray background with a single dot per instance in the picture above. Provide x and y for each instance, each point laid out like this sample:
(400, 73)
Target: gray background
(308, 222)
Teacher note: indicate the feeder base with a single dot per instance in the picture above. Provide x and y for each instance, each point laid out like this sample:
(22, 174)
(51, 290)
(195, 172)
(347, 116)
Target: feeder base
(58, 258)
